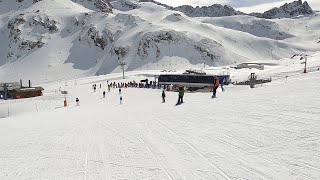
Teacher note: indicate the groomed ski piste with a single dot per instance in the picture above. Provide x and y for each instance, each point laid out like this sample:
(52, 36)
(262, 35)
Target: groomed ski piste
(269, 132)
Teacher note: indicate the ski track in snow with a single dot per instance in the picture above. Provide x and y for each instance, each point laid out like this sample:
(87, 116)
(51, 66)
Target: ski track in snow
(270, 132)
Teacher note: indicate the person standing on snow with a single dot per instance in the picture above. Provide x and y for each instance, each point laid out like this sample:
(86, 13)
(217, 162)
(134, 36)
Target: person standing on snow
(77, 101)
(119, 90)
(221, 79)
(104, 94)
(163, 96)
(170, 87)
(109, 88)
(181, 94)
(216, 84)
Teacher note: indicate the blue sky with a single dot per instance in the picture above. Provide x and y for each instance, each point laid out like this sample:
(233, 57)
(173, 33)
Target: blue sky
(243, 5)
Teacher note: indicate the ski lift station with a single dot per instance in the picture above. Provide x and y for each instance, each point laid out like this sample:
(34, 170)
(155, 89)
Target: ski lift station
(15, 90)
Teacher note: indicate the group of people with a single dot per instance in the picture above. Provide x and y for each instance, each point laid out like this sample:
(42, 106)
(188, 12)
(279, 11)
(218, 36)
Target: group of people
(181, 90)
(217, 82)
(180, 96)
(133, 84)
(118, 85)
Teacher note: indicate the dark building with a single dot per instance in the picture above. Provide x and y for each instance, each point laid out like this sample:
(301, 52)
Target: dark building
(15, 90)
(27, 92)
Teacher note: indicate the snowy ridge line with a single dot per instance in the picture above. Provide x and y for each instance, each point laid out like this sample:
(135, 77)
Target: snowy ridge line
(104, 80)
(72, 77)
(290, 74)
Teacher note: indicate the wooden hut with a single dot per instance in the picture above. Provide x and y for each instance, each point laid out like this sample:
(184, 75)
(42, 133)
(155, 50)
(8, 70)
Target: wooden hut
(27, 92)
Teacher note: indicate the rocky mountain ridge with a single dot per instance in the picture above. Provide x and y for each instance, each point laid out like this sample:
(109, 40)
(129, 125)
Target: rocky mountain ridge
(87, 38)
(288, 10)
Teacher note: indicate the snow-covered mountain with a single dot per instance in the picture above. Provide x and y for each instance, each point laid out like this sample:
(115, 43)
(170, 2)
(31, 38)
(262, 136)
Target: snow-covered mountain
(288, 10)
(216, 10)
(124, 5)
(102, 5)
(62, 39)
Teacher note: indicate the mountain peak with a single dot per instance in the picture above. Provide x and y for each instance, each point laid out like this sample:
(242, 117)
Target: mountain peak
(287, 10)
(101, 5)
(215, 10)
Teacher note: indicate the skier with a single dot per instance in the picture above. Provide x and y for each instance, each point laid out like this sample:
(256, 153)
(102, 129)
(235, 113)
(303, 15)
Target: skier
(77, 101)
(120, 99)
(215, 87)
(181, 93)
(171, 87)
(221, 79)
(104, 94)
(109, 88)
(163, 96)
(119, 90)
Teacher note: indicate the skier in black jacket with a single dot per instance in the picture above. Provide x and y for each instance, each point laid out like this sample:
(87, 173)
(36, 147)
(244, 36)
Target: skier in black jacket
(163, 96)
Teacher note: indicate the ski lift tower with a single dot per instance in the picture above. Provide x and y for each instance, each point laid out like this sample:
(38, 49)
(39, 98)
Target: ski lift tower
(305, 63)
(122, 64)
(304, 56)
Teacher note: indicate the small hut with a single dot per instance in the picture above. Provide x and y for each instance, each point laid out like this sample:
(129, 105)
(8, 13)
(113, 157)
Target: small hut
(27, 92)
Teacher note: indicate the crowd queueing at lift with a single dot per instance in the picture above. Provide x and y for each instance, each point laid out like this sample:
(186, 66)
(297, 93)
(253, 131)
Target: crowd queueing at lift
(152, 84)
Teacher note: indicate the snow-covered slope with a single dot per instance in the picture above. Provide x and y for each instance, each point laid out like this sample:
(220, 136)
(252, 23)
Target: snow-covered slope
(63, 39)
(270, 132)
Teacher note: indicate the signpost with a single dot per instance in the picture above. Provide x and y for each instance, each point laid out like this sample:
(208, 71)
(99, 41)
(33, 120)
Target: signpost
(305, 63)
(65, 104)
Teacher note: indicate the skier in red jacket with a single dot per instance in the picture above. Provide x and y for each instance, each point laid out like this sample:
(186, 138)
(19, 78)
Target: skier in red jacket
(216, 84)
